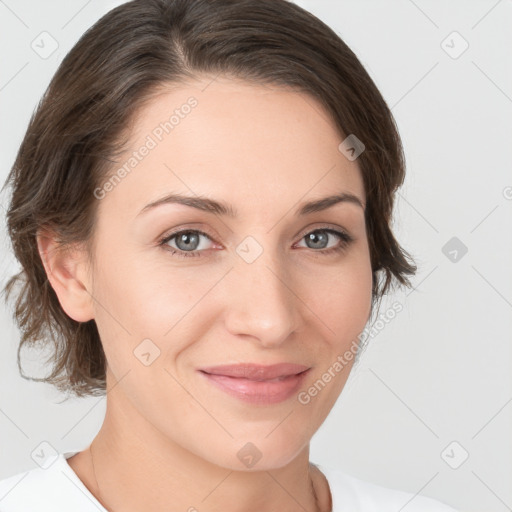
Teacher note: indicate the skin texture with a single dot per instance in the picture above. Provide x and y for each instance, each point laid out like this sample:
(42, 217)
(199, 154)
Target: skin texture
(170, 439)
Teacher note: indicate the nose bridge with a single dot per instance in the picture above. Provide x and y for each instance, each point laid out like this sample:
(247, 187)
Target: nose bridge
(261, 300)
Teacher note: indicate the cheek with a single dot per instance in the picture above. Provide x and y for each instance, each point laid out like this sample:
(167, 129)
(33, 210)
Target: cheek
(341, 296)
(343, 309)
(351, 299)
(141, 299)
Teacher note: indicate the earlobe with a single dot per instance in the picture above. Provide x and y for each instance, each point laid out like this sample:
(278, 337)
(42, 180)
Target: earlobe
(66, 269)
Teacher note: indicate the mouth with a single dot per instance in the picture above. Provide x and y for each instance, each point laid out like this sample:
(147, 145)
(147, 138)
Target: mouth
(257, 384)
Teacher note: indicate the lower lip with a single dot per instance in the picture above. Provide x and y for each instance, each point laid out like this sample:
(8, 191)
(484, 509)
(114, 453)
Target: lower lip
(258, 392)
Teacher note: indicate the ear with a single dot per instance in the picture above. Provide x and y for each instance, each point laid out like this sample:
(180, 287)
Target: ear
(68, 273)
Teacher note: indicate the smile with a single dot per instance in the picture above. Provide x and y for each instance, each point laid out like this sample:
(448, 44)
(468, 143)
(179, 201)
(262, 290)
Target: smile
(256, 384)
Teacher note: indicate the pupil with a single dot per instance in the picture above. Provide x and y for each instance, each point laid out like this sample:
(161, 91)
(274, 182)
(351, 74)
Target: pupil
(314, 237)
(188, 238)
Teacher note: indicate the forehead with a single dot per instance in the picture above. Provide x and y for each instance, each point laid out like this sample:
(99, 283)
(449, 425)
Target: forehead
(229, 138)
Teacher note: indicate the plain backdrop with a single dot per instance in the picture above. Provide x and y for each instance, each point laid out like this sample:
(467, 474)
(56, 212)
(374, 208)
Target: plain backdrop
(429, 407)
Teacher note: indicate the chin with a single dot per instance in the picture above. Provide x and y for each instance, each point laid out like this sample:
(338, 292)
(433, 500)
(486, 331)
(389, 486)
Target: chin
(256, 455)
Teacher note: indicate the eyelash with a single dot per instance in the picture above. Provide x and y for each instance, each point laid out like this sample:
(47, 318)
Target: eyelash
(344, 237)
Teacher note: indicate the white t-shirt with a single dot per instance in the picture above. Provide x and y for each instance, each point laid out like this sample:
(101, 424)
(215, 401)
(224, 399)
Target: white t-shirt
(58, 489)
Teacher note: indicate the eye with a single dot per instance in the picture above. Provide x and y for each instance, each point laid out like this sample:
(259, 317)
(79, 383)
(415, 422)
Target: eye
(318, 239)
(187, 243)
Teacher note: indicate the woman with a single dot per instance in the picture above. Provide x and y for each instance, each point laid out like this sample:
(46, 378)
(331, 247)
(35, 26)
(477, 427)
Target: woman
(201, 207)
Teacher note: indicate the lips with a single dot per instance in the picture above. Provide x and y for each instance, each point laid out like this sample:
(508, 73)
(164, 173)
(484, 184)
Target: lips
(257, 384)
(256, 372)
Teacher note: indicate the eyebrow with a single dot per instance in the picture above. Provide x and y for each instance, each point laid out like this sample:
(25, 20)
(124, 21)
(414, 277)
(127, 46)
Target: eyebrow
(221, 208)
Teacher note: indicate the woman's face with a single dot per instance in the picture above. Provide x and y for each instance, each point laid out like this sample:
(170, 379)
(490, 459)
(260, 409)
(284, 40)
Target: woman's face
(264, 285)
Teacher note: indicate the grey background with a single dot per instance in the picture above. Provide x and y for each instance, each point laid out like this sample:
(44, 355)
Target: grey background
(440, 371)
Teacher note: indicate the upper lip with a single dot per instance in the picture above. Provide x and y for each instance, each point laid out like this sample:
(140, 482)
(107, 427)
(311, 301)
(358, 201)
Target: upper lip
(256, 371)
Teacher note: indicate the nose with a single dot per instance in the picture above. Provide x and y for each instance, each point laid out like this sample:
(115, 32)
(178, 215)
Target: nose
(262, 303)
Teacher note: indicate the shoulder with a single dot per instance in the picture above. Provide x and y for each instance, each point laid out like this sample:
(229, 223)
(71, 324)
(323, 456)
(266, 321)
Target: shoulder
(54, 489)
(351, 493)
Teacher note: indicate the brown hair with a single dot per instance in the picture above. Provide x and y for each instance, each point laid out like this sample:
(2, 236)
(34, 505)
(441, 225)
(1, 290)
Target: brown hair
(112, 71)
